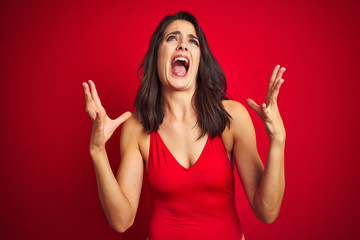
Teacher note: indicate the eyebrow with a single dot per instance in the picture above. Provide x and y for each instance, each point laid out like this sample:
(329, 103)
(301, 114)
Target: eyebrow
(178, 33)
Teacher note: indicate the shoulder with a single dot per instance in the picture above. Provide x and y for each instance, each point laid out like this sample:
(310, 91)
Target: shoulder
(134, 135)
(133, 128)
(133, 124)
(240, 122)
(237, 111)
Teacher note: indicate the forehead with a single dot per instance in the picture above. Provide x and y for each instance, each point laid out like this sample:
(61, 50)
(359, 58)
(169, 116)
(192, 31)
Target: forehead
(182, 26)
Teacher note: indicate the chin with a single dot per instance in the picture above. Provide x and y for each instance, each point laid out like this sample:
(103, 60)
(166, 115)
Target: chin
(180, 83)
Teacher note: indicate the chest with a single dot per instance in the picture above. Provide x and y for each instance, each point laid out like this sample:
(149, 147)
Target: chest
(169, 179)
(184, 143)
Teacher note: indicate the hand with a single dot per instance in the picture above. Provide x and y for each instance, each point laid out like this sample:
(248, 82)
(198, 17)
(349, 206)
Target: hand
(268, 111)
(103, 126)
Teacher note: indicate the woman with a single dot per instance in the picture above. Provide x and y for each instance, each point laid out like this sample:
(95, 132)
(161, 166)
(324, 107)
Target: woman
(189, 136)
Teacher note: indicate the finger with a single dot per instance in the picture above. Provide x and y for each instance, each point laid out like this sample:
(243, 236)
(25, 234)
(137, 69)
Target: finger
(278, 77)
(253, 105)
(273, 76)
(265, 110)
(125, 116)
(276, 90)
(90, 105)
(98, 120)
(94, 93)
(86, 89)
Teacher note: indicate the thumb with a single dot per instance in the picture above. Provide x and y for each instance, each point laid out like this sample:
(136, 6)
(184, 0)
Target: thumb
(123, 117)
(253, 105)
(98, 124)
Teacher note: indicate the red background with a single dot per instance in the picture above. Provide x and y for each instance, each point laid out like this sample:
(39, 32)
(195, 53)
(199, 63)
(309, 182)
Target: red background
(47, 182)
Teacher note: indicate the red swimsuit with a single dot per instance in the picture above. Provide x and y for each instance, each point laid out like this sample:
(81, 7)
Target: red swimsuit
(195, 203)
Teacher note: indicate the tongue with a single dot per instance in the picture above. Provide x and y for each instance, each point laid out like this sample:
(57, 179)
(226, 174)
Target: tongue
(179, 68)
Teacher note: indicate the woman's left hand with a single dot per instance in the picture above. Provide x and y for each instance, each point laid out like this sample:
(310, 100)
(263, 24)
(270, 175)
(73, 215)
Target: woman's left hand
(268, 111)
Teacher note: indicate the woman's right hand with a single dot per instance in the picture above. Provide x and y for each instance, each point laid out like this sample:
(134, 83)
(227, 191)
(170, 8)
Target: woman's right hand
(103, 126)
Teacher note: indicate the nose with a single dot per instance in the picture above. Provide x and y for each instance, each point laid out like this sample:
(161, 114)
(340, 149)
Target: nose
(182, 46)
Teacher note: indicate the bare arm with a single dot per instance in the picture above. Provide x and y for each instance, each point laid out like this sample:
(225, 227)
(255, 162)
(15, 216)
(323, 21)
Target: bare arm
(119, 204)
(264, 187)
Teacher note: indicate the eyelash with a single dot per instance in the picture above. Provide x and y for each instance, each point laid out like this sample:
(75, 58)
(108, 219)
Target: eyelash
(194, 41)
(191, 40)
(168, 39)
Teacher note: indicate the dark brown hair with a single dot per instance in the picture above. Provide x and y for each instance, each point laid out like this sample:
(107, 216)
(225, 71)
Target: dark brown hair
(210, 90)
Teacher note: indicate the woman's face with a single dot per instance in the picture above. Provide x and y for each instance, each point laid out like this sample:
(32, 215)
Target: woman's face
(179, 56)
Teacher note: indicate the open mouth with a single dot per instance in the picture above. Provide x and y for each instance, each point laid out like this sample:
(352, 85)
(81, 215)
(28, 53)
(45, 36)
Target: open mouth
(180, 65)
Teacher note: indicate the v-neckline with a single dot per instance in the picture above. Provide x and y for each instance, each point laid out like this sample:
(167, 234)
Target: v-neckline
(176, 161)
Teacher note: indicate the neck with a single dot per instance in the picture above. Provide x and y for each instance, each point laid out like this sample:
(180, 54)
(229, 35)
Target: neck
(178, 106)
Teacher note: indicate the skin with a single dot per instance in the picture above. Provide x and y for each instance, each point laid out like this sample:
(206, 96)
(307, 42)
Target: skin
(179, 38)
(119, 195)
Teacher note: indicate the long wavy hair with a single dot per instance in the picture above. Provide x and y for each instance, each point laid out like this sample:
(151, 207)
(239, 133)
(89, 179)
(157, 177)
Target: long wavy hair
(210, 90)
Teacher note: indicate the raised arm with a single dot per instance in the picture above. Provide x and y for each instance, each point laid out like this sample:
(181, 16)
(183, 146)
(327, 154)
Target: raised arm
(118, 200)
(264, 187)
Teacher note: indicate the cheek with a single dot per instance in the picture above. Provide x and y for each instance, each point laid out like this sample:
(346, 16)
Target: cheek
(162, 67)
(162, 60)
(197, 59)
(161, 64)
(197, 54)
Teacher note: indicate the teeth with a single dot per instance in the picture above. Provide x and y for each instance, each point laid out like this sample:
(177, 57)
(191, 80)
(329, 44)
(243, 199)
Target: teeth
(181, 59)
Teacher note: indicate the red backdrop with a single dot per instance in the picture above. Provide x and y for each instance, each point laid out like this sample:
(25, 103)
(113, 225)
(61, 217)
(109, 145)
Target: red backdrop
(47, 181)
